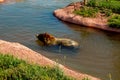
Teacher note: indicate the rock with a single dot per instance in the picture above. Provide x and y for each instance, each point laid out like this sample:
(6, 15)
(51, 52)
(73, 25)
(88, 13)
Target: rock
(48, 39)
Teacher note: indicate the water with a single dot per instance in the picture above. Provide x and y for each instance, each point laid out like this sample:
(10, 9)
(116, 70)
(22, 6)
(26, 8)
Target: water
(99, 53)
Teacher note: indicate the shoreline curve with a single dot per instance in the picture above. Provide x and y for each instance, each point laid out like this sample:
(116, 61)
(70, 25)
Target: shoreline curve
(66, 14)
(24, 53)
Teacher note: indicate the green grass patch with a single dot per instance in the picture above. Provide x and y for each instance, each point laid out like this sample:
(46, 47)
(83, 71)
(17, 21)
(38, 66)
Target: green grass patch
(87, 12)
(94, 6)
(113, 5)
(12, 68)
(114, 21)
(106, 12)
(86, 78)
(107, 8)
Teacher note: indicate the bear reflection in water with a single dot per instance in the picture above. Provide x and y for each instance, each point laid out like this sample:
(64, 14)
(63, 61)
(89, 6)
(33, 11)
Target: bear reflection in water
(45, 39)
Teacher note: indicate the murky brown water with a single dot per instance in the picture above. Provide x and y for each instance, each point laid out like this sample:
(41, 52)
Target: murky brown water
(99, 52)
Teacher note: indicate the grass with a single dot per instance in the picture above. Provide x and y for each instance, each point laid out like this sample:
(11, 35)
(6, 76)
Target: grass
(102, 6)
(12, 68)
(113, 5)
(114, 21)
(107, 8)
(86, 78)
(87, 11)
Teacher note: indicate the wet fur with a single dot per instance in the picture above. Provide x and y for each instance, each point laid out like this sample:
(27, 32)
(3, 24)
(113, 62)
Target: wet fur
(48, 39)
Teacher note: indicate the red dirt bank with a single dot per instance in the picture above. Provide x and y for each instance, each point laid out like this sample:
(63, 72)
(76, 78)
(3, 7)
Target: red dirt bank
(30, 56)
(66, 14)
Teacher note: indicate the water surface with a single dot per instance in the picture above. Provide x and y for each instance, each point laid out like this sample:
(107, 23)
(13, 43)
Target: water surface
(99, 52)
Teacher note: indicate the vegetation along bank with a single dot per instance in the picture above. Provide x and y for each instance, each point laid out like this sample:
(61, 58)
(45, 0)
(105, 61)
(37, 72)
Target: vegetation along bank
(101, 14)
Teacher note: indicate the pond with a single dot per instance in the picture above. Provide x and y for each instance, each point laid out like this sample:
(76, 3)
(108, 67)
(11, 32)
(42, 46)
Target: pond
(99, 52)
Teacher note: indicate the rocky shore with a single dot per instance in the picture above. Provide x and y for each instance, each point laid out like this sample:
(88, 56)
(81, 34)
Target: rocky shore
(66, 14)
(33, 57)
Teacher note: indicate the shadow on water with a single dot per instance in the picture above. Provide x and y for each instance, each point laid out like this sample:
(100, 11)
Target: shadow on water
(58, 48)
(85, 31)
(113, 36)
(80, 28)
